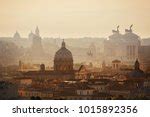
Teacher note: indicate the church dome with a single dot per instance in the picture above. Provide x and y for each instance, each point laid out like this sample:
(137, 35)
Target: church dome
(63, 53)
(63, 60)
(17, 35)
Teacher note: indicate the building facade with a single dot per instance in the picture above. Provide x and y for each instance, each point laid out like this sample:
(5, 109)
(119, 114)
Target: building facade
(122, 46)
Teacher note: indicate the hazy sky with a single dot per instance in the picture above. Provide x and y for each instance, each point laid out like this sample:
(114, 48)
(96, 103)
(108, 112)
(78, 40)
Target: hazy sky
(74, 18)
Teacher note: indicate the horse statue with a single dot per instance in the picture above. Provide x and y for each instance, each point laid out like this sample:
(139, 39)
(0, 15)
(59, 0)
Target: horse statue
(129, 30)
(116, 31)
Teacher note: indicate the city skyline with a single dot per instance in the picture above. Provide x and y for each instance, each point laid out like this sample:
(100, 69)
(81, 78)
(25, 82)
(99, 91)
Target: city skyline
(72, 18)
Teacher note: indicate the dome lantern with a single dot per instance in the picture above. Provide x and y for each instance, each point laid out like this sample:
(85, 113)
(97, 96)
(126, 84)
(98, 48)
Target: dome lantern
(63, 44)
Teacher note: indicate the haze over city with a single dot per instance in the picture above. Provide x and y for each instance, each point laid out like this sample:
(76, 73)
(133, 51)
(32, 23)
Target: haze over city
(73, 18)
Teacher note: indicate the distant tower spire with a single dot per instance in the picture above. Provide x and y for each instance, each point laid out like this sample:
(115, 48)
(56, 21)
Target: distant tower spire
(37, 32)
(137, 65)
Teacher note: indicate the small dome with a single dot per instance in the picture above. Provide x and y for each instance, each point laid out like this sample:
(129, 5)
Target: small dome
(17, 35)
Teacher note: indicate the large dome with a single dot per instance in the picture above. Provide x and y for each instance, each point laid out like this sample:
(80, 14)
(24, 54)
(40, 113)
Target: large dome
(63, 53)
(63, 60)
